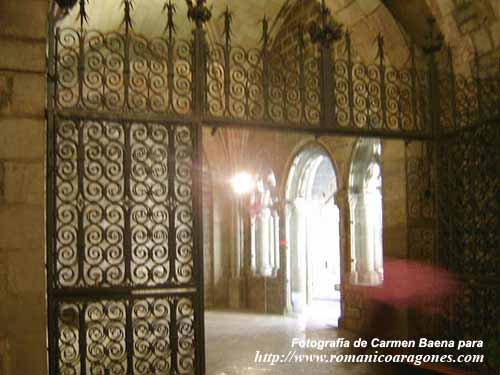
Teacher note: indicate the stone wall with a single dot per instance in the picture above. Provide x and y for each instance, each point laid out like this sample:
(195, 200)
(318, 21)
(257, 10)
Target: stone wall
(22, 104)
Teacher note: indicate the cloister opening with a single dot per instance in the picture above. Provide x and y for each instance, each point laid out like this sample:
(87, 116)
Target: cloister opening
(312, 232)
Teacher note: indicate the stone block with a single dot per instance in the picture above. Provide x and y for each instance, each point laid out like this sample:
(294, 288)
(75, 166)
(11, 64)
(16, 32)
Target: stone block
(24, 18)
(22, 227)
(24, 183)
(28, 95)
(27, 314)
(28, 354)
(394, 171)
(21, 139)
(394, 213)
(394, 191)
(2, 182)
(22, 55)
(4, 356)
(393, 150)
(21, 281)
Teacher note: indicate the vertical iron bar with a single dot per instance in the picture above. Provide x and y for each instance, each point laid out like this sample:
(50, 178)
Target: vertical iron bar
(170, 73)
(413, 73)
(453, 89)
(265, 67)
(434, 95)
(171, 204)
(127, 21)
(129, 336)
(199, 72)
(53, 53)
(285, 92)
(199, 317)
(400, 111)
(80, 241)
(127, 168)
(350, 87)
(302, 83)
(477, 73)
(82, 339)
(326, 86)
(50, 164)
(227, 64)
(383, 99)
(81, 65)
(170, 54)
(126, 70)
(174, 336)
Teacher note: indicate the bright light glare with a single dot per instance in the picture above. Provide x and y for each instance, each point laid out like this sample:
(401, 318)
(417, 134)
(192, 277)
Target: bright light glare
(243, 183)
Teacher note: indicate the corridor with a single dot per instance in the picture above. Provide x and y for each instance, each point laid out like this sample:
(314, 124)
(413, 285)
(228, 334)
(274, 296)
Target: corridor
(233, 338)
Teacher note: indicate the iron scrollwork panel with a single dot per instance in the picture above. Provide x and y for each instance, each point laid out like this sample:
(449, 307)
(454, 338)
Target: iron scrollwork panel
(127, 336)
(469, 230)
(124, 213)
(111, 72)
(124, 225)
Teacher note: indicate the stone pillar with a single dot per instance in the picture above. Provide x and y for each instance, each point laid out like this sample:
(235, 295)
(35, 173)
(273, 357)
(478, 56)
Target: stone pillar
(276, 242)
(350, 309)
(22, 245)
(265, 240)
(298, 256)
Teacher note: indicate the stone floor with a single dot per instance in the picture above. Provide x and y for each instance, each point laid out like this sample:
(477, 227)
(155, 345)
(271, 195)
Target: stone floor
(234, 337)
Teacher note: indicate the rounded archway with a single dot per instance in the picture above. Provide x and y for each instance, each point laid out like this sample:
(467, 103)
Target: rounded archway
(312, 231)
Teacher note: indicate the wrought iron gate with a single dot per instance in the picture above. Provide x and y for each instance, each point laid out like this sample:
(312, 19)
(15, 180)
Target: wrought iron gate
(124, 290)
(124, 249)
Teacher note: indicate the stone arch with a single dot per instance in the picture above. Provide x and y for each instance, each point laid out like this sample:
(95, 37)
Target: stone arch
(314, 257)
(364, 20)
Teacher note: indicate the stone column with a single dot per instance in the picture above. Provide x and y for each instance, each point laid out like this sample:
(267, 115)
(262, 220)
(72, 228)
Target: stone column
(299, 261)
(276, 244)
(342, 202)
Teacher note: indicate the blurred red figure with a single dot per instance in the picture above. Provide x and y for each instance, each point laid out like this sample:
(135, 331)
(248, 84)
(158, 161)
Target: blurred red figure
(407, 285)
(412, 284)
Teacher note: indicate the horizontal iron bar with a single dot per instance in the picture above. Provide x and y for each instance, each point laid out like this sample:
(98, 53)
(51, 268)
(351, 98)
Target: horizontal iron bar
(121, 292)
(480, 281)
(316, 130)
(449, 134)
(242, 124)
(126, 117)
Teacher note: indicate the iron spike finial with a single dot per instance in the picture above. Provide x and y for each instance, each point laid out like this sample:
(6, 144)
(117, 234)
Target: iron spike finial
(169, 7)
(128, 5)
(199, 13)
(380, 47)
(327, 30)
(347, 36)
(433, 40)
(228, 18)
(265, 31)
(82, 14)
(66, 5)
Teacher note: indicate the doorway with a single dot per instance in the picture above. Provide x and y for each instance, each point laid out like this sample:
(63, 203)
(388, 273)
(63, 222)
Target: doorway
(312, 232)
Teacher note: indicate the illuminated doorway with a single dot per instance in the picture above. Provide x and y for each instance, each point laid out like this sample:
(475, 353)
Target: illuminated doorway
(312, 231)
